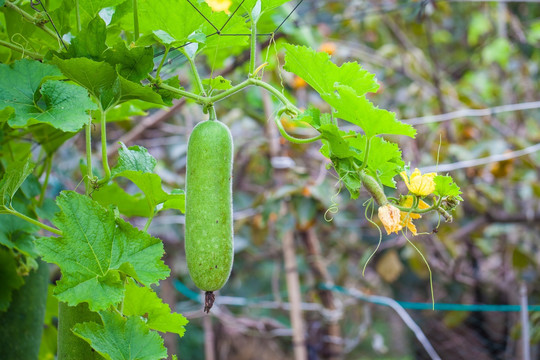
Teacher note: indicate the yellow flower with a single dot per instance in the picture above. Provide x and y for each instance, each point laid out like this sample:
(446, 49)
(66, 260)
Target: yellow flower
(390, 218)
(219, 5)
(419, 184)
(407, 217)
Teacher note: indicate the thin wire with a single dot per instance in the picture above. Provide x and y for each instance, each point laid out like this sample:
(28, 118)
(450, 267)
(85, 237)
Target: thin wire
(482, 161)
(34, 3)
(218, 31)
(205, 18)
(230, 17)
(287, 17)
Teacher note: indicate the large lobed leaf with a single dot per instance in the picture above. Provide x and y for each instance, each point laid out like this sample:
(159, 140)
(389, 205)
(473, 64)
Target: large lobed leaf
(137, 165)
(62, 105)
(322, 74)
(103, 82)
(95, 250)
(142, 301)
(122, 339)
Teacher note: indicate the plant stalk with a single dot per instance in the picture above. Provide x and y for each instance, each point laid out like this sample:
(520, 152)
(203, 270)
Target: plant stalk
(135, 20)
(30, 220)
(31, 19)
(21, 50)
(89, 173)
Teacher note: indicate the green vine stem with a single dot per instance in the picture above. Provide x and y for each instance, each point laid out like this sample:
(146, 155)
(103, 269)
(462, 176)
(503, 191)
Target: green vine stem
(366, 154)
(149, 221)
(104, 158)
(48, 166)
(78, 15)
(162, 61)
(291, 138)
(253, 48)
(89, 174)
(12, 211)
(32, 19)
(21, 50)
(183, 93)
(135, 20)
(195, 73)
(205, 100)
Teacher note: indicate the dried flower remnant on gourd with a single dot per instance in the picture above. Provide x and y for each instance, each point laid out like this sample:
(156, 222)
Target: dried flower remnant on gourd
(390, 218)
(419, 184)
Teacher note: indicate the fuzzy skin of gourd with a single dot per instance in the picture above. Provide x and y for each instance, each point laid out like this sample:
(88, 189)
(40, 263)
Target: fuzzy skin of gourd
(209, 224)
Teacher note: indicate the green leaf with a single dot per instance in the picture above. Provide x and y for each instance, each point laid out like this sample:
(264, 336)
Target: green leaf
(348, 175)
(332, 136)
(445, 186)
(11, 280)
(90, 42)
(176, 200)
(122, 339)
(266, 5)
(102, 81)
(142, 301)
(58, 104)
(15, 175)
(134, 64)
(99, 78)
(168, 96)
(137, 165)
(323, 75)
(360, 111)
(178, 19)
(2, 2)
(17, 234)
(134, 158)
(95, 249)
(384, 158)
(89, 9)
(218, 83)
(128, 205)
(50, 138)
(66, 108)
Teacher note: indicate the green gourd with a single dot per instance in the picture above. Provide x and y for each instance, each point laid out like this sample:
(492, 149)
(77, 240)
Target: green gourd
(209, 224)
(21, 325)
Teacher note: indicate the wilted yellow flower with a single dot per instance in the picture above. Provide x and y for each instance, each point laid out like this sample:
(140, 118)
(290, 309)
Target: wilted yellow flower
(407, 217)
(419, 184)
(219, 5)
(390, 218)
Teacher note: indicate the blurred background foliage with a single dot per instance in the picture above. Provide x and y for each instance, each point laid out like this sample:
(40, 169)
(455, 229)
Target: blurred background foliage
(430, 57)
